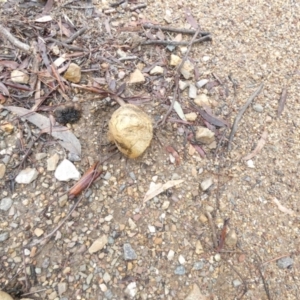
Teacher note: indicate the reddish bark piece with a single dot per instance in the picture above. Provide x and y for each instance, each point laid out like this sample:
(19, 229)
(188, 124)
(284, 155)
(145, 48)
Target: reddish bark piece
(86, 180)
(223, 236)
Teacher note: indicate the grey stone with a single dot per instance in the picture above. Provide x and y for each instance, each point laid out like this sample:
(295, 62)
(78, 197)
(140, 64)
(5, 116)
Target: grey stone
(107, 176)
(6, 203)
(192, 91)
(236, 283)
(285, 262)
(108, 294)
(201, 83)
(180, 270)
(27, 176)
(129, 253)
(206, 184)
(52, 162)
(258, 107)
(132, 176)
(198, 265)
(73, 157)
(4, 236)
(89, 279)
(46, 263)
(62, 287)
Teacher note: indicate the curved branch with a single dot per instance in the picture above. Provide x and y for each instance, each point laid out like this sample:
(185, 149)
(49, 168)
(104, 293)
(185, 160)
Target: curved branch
(6, 34)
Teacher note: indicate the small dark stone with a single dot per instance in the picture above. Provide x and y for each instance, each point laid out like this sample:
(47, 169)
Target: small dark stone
(67, 113)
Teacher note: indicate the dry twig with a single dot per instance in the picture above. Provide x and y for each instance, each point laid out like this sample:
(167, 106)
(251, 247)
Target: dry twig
(240, 114)
(5, 33)
(212, 226)
(177, 30)
(174, 43)
(282, 102)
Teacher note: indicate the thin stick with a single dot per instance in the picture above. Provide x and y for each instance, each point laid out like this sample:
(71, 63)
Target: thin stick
(70, 47)
(282, 101)
(240, 114)
(38, 291)
(172, 103)
(174, 43)
(5, 33)
(212, 226)
(75, 35)
(171, 29)
(274, 259)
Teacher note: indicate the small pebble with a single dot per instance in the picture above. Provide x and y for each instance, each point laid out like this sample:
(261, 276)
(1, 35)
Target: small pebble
(201, 83)
(157, 70)
(258, 107)
(198, 265)
(66, 171)
(131, 289)
(106, 277)
(217, 257)
(170, 255)
(129, 253)
(236, 283)
(192, 91)
(62, 287)
(151, 228)
(183, 85)
(4, 236)
(285, 262)
(231, 239)
(52, 162)
(250, 164)
(27, 176)
(5, 204)
(206, 184)
(180, 270)
(181, 259)
(98, 244)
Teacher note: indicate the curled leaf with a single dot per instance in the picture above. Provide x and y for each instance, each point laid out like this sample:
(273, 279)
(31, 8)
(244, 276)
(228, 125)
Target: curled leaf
(157, 188)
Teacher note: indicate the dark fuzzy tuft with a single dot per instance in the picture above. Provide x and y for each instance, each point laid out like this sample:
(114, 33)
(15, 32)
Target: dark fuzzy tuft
(67, 113)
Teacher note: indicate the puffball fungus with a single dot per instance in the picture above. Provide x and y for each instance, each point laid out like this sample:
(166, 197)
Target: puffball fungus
(131, 130)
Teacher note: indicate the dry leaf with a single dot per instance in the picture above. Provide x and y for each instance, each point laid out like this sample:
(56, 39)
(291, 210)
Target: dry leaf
(259, 146)
(156, 189)
(283, 208)
(179, 111)
(44, 19)
(66, 138)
